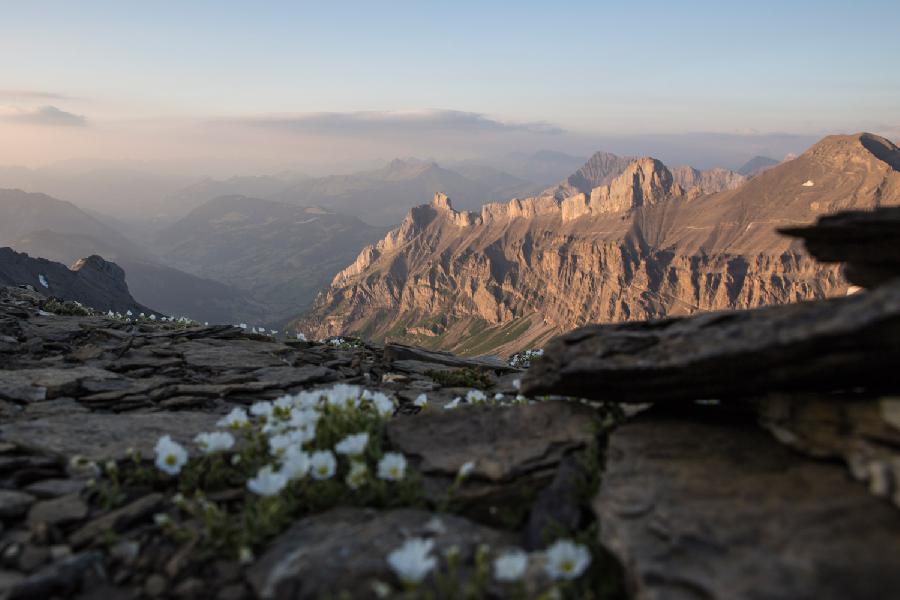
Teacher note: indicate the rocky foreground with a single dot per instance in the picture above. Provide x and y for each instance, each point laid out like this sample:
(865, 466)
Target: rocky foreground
(745, 454)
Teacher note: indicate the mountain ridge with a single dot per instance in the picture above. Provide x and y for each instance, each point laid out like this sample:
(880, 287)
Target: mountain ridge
(640, 247)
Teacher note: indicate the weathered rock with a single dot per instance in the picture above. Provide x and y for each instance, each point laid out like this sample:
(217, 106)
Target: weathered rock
(345, 550)
(29, 385)
(116, 520)
(717, 509)
(504, 442)
(100, 436)
(14, 504)
(863, 432)
(58, 511)
(824, 345)
(58, 579)
(867, 241)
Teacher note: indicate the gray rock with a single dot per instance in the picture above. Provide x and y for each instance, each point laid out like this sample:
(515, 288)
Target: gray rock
(102, 436)
(14, 504)
(399, 352)
(717, 509)
(58, 511)
(116, 520)
(813, 346)
(51, 488)
(57, 579)
(504, 442)
(31, 385)
(345, 550)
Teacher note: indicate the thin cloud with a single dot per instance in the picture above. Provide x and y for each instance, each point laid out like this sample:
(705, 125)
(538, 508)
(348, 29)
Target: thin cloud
(32, 95)
(393, 122)
(42, 115)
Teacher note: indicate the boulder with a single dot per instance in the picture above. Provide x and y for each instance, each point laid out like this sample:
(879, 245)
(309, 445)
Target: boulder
(705, 507)
(810, 346)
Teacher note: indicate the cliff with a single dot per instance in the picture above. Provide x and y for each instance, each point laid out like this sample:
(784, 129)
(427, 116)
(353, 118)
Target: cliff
(638, 247)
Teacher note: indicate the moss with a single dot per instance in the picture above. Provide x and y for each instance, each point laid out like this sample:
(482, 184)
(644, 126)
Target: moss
(465, 377)
(66, 308)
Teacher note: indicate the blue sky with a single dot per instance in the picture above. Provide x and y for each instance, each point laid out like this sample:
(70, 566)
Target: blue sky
(586, 68)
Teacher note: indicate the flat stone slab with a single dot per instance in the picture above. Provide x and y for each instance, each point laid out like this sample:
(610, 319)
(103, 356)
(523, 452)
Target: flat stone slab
(716, 510)
(504, 442)
(31, 385)
(103, 436)
(841, 343)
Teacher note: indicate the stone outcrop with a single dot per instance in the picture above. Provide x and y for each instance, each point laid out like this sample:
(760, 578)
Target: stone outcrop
(710, 507)
(91, 281)
(635, 246)
(868, 243)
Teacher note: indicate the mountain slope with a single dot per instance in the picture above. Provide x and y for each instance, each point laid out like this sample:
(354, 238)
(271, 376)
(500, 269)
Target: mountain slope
(640, 247)
(280, 254)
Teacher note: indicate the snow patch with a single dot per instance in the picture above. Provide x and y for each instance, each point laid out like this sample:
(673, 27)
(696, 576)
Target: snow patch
(808, 183)
(43, 281)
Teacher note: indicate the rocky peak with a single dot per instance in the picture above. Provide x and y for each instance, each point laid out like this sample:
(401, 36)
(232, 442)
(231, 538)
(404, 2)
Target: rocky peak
(599, 170)
(442, 202)
(859, 147)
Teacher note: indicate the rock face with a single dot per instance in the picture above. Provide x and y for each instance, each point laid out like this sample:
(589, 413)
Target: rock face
(711, 181)
(714, 509)
(91, 281)
(635, 246)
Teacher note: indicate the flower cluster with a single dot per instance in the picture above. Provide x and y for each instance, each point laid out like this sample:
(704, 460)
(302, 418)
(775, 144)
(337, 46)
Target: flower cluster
(523, 360)
(565, 560)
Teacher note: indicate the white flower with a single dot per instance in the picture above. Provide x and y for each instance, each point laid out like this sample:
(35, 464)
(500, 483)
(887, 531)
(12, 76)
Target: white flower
(421, 400)
(245, 555)
(307, 400)
(285, 402)
(453, 403)
(323, 464)
(236, 419)
(170, 455)
(295, 463)
(413, 561)
(162, 519)
(261, 409)
(517, 383)
(352, 445)
(152, 317)
(217, 441)
(498, 397)
(357, 475)
(304, 434)
(304, 417)
(301, 337)
(392, 466)
(510, 566)
(466, 469)
(383, 404)
(243, 326)
(475, 396)
(567, 560)
(110, 314)
(343, 395)
(278, 444)
(128, 313)
(267, 482)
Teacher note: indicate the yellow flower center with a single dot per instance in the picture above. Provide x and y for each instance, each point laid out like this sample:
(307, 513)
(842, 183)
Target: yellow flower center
(171, 460)
(567, 566)
(323, 470)
(395, 472)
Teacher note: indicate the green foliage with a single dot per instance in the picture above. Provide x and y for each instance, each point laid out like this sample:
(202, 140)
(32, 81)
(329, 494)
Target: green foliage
(465, 377)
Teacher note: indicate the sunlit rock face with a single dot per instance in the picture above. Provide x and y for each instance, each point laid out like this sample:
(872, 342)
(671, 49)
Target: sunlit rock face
(642, 243)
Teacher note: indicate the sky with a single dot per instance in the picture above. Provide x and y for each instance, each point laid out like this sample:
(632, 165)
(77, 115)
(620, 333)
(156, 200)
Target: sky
(261, 85)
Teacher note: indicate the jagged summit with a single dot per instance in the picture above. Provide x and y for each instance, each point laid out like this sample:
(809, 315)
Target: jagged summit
(640, 246)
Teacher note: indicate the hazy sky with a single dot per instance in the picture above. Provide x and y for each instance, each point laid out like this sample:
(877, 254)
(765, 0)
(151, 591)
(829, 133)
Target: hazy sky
(256, 84)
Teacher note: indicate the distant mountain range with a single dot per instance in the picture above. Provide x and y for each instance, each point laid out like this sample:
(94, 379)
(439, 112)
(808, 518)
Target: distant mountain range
(621, 239)
(756, 165)
(53, 229)
(279, 254)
